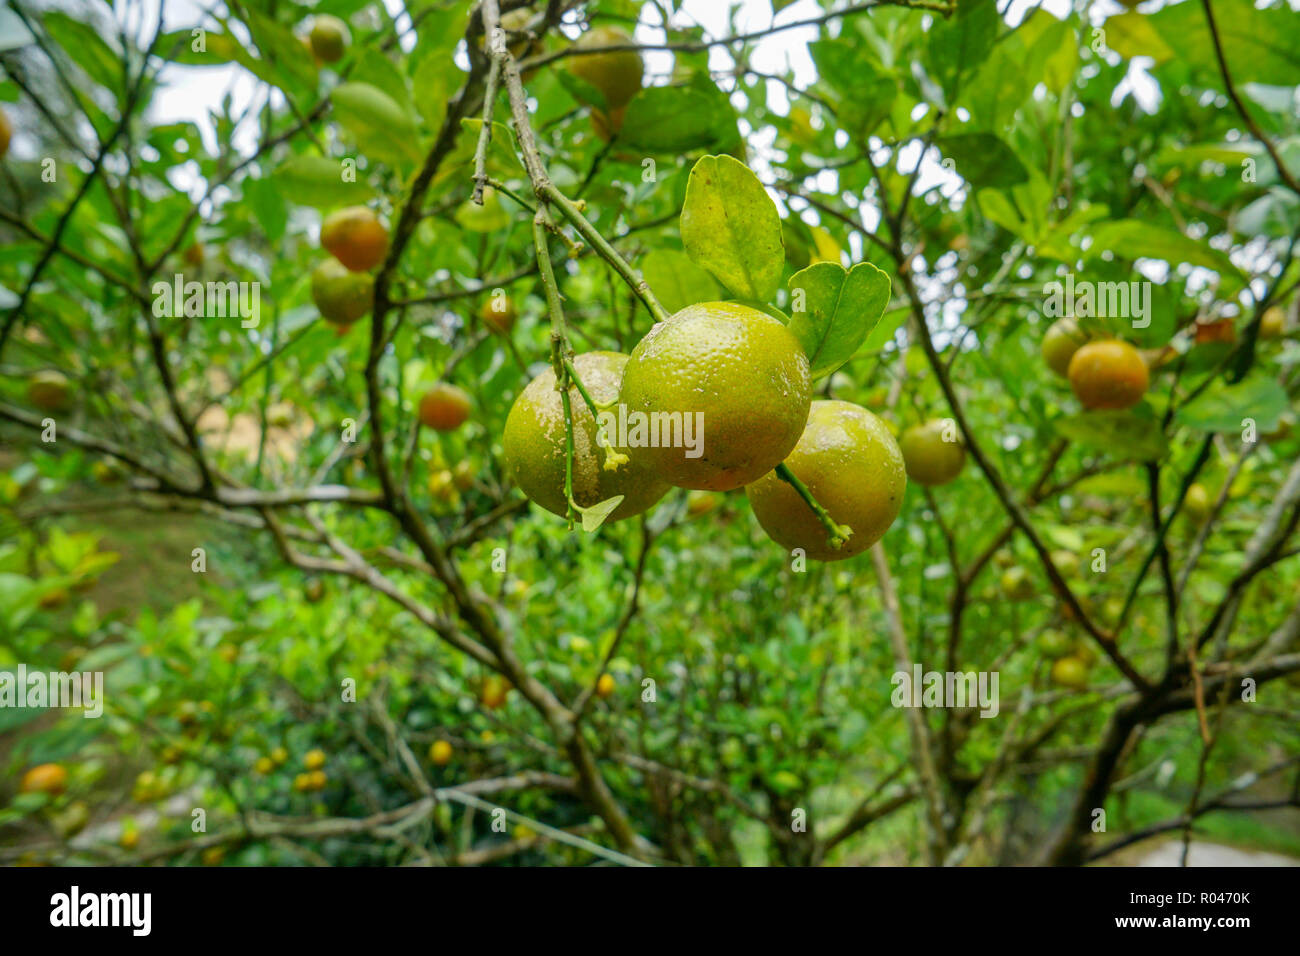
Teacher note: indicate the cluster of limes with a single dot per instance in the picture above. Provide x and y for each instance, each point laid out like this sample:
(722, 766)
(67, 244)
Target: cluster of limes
(743, 376)
(1111, 374)
(1105, 374)
(342, 286)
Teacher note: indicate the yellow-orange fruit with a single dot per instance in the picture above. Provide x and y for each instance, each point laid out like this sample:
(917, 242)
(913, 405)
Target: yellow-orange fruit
(440, 753)
(1108, 375)
(50, 778)
(444, 407)
(355, 237)
(618, 74)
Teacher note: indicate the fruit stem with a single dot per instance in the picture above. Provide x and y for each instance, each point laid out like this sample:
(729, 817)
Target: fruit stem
(559, 345)
(606, 251)
(838, 534)
(582, 389)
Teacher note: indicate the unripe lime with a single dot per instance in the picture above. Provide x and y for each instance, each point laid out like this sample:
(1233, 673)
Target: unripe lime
(1054, 644)
(1017, 584)
(1272, 323)
(535, 446)
(329, 38)
(852, 466)
(1197, 502)
(736, 377)
(1062, 339)
(617, 75)
(1070, 672)
(930, 457)
(498, 314)
(342, 296)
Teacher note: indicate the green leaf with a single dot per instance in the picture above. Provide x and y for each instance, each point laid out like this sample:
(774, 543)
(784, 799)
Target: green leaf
(377, 70)
(1136, 238)
(290, 64)
(670, 119)
(676, 280)
(86, 47)
(1133, 34)
(489, 217)
(381, 128)
(1126, 434)
(317, 181)
(984, 160)
(178, 46)
(884, 331)
(958, 44)
(594, 517)
(730, 226)
(840, 309)
(867, 91)
(1222, 408)
(1260, 46)
(268, 206)
(1054, 43)
(502, 154)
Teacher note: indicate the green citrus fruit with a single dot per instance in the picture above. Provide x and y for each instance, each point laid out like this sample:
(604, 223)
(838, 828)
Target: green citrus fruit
(1017, 584)
(1197, 502)
(1067, 562)
(1108, 375)
(617, 75)
(851, 464)
(1070, 672)
(1062, 339)
(342, 296)
(1272, 323)
(494, 691)
(498, 314)
(329, 37)
(932, 460)
(355, 237)
(1054, 644)
(734, 375)
(535, 452)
